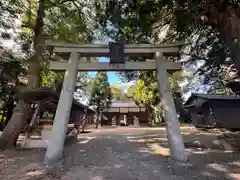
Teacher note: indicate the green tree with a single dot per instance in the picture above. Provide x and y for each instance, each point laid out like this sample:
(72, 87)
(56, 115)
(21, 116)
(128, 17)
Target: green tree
(131, 90)
(143, 20)
(101, 95)
(11, 73)
(117, 93)
(206, 25)
(146, 93)
(38, 19)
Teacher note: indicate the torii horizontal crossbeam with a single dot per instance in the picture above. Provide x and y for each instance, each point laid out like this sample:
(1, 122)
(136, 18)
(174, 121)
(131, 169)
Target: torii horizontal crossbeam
(102, 50)
(106, 66)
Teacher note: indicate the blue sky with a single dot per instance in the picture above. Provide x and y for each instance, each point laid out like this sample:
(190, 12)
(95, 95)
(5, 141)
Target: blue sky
(112, 76)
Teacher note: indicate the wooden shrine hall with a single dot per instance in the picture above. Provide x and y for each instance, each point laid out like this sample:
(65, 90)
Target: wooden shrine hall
(119, 109)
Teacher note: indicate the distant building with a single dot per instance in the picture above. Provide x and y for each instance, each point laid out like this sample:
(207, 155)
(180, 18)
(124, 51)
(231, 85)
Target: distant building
(129, 109)
(214, 110)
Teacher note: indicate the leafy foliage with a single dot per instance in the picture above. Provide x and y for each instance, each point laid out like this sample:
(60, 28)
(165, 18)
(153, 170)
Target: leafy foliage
(202, 23)
(11, 80)
(8, 12)
(146, 90)
(101, 94)
(117, 93)
(63, 20)
(41, 18)
(146, 93)
(82, 83)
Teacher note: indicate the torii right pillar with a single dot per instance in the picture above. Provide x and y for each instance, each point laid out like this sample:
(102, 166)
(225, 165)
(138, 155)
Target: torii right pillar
(172, 123)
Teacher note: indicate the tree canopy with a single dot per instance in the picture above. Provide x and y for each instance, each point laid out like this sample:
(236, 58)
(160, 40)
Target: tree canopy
(70, 21)
(206, 25)
(101, 94)
(117, 93)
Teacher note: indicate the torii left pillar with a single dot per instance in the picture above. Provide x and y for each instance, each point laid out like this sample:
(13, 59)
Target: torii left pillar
(56, 142)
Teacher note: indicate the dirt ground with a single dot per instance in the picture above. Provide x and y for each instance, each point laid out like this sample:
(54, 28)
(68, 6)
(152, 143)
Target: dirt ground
(125, 154)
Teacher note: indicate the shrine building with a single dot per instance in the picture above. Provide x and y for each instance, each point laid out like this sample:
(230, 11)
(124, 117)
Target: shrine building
(129, 109)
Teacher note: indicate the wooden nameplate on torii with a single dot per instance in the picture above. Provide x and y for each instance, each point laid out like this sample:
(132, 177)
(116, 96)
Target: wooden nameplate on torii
(116, 53)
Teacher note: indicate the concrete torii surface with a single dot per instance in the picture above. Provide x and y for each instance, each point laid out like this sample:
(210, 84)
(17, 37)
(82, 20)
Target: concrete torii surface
(162, 66)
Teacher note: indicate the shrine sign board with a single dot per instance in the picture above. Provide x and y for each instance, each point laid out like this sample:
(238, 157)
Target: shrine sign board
(116, 53)
(117, 66)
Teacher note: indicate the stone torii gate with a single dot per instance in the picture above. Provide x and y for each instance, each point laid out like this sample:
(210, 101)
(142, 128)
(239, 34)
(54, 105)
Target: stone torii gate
(74, 64)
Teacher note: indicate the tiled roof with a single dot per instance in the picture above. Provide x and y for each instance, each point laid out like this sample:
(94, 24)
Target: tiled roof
(211, 96)
(203, 98)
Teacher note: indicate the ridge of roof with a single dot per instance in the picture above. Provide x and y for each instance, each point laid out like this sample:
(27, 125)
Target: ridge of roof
(215, 96)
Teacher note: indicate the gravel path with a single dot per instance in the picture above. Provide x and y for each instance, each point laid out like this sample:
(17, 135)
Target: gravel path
(120, 154)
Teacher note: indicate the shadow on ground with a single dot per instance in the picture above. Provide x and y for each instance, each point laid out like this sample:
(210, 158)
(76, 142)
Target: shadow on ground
(203, 161)
(85, 132)
(137, 154)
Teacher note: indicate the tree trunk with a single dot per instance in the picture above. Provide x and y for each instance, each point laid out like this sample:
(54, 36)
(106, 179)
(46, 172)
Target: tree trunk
(150, 115)
(224, 17)
(97, 120)
(14, 126)
(18, 120)
(83, 125)
(85, 118)
(97, 116)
